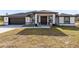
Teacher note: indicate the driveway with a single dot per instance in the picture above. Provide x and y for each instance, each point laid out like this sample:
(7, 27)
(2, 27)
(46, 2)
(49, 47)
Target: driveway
(2, 30)
(12, 27)
(8, 28)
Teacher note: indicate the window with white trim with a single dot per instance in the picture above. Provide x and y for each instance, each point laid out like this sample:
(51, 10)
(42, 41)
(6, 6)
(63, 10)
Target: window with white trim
(67, 20)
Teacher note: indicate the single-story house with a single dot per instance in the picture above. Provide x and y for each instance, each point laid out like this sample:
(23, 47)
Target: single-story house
(39, 18)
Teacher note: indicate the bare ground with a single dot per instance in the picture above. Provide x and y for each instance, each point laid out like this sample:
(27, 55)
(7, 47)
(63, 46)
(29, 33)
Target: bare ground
(55, 37)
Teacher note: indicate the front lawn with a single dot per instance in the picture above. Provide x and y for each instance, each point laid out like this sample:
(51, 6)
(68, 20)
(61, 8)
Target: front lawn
(55, 37)
(1, 21)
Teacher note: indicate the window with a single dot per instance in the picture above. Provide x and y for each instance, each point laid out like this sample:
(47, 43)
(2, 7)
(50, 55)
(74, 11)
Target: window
(67, 20)
(50, 19)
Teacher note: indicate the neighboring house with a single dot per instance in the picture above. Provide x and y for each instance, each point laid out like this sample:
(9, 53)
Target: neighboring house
(39, 18)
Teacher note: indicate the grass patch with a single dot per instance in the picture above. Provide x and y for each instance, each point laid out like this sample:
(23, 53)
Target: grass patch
(55, 37)
(1, 21)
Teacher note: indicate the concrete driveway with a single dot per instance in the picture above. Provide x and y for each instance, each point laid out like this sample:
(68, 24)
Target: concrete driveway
(12, 27)
(2, 30)
(8, 28)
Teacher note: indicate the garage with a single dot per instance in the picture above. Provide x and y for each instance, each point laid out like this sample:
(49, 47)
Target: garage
(16, 21)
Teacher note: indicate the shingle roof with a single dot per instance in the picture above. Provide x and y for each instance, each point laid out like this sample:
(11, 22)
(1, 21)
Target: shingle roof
(44, 11)
(77, 15)
(41, 11)
(29, 13)
(18, 15)
(64, 15)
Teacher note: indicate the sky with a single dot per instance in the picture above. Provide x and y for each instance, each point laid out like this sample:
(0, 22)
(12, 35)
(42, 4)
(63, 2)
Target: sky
(61, 6)
(39, 4)
(3, 12)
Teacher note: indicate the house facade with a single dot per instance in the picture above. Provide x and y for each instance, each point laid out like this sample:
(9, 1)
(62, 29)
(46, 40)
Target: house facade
(40, 18)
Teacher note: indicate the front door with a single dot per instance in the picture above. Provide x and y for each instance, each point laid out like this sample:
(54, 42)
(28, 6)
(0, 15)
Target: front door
(43, 20)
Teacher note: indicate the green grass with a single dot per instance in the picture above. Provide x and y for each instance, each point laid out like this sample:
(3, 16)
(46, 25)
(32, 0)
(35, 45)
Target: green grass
(1, 21)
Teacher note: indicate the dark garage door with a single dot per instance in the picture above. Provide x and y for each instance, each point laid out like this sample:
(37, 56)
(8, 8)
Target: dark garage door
(17, 21)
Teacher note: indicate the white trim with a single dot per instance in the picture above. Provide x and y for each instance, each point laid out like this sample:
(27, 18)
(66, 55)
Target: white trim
(35, 18)
(53, 18)
(47, 20)
(27, 20)
(6, 20)
(39, 19)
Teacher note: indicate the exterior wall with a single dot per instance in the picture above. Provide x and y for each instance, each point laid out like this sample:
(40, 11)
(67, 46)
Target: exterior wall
(39, 19)
(28, 20)
(57, 20)
(72, 21)
(54, 18)
(6, 20)
(36, 19)
(47, 20)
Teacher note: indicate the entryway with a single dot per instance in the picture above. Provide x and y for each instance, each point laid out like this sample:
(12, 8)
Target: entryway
(43, 20)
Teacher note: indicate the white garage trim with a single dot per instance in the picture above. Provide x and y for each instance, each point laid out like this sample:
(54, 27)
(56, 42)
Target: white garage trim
(6, 20)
